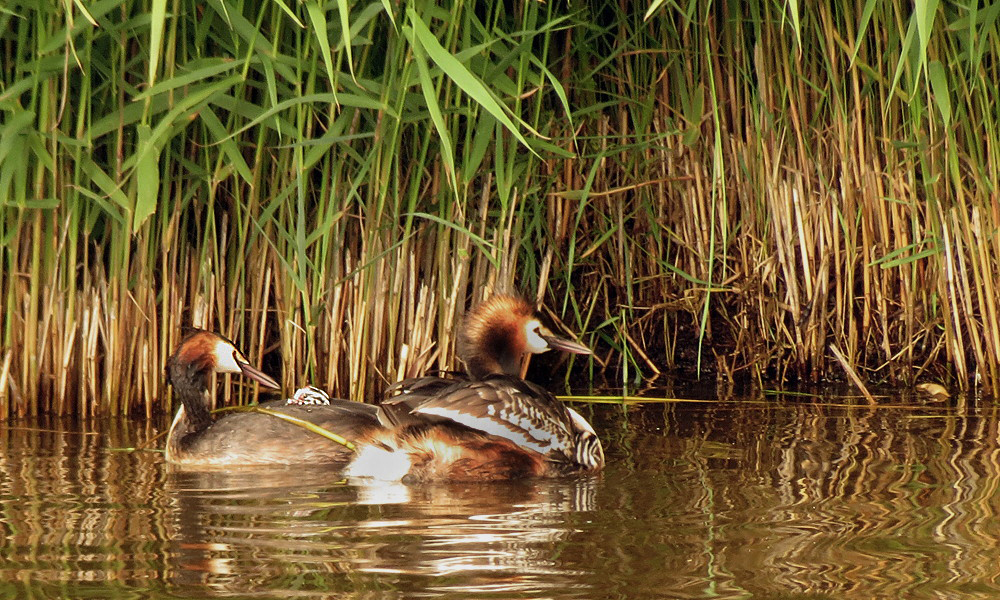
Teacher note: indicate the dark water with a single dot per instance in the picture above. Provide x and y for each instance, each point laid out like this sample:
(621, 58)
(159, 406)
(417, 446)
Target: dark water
(733, 500)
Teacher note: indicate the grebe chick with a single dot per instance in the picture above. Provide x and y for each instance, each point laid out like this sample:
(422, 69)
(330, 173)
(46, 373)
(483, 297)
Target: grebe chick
(199, 439)
(492, 426)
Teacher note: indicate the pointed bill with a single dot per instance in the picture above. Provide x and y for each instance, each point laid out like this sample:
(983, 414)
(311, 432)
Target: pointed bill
(257, 375)
(559, 343)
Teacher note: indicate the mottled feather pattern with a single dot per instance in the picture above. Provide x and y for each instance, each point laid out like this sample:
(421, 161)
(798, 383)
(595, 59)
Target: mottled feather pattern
(488, 425)
(492, 400)
(310, 395)
(507, 407)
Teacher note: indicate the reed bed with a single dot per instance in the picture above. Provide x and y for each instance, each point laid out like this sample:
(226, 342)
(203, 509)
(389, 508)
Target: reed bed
(732, 187)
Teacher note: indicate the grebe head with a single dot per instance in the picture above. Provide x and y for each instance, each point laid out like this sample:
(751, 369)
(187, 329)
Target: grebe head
(498, 333)
(204, 352)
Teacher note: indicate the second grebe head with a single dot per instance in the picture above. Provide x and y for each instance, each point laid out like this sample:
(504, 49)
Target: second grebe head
(498, 333)
(204, 352)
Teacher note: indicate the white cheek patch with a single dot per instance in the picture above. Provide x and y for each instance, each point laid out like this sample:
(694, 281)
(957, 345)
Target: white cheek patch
(225, 358)
(536, 344)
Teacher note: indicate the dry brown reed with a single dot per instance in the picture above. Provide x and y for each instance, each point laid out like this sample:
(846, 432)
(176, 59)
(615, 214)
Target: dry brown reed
(721, 190)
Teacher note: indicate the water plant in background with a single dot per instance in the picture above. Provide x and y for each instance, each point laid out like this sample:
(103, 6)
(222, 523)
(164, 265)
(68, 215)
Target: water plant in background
(735, 186)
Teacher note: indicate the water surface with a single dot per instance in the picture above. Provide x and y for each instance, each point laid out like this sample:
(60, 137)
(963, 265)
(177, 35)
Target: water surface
(726, 500)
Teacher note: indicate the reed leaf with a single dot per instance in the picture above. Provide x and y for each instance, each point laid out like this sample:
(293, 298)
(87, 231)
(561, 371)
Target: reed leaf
(727, 189)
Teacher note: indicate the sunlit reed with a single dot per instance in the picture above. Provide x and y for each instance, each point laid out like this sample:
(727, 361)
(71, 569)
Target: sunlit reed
(735, 187)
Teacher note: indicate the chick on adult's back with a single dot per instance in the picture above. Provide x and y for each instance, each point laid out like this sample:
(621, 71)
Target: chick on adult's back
(197, 438)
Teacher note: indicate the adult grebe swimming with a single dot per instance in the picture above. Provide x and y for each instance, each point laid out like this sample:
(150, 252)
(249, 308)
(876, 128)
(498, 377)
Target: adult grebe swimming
(199, 439)
(493, 425)
(490, 426)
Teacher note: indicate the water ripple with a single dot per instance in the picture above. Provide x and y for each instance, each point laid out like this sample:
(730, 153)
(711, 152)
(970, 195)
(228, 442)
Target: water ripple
(727, 501)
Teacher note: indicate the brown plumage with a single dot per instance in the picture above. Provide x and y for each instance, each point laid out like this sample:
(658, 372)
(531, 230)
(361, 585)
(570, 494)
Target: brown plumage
(199, 439)
(493, 424)
(497, 335)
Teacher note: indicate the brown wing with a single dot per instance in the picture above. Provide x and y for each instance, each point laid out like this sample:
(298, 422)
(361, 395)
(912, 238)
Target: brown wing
(503, 406)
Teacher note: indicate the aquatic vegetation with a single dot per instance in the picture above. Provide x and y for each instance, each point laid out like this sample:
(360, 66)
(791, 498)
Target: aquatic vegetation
(736, 186)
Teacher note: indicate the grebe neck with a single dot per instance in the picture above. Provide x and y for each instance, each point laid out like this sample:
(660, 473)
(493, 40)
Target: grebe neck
(191, 386)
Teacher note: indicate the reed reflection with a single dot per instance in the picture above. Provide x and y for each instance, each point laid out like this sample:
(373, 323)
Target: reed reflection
(75, 513)
(724, 500)
(806, 498)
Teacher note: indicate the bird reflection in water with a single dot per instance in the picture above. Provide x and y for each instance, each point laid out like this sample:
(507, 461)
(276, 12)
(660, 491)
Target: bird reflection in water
(291, 531)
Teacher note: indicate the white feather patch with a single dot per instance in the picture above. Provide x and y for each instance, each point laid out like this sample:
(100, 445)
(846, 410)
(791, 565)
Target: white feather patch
(534, 341)
(539, 440)
(225, 357)
(373, 462)
(580, 422)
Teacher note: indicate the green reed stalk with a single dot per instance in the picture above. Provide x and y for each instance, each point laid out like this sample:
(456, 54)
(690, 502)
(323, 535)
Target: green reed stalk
(732, 186)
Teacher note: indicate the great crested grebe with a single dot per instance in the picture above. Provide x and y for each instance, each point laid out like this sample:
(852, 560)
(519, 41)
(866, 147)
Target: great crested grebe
(491, 426)
(199, 439)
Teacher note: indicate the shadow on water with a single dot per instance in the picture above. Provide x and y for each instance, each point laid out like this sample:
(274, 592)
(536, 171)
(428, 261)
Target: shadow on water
(783, 500)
